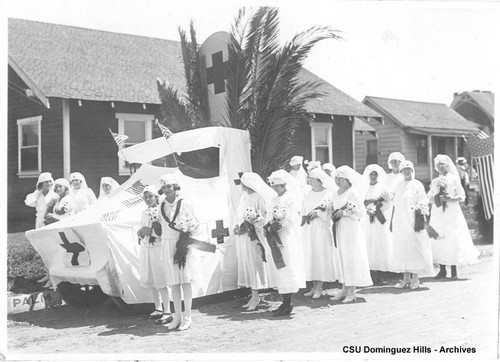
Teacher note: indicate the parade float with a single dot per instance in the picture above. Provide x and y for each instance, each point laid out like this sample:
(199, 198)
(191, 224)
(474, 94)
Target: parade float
(94, 255)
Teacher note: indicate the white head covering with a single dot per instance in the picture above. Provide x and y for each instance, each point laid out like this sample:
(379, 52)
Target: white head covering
(407, 164)
(355, 178)
(107, 181)
(382, 176)
(281, 177)
(296, 160)
(312, 165)
(321, 175)
(62, 182)
(78, 176)
(44, 176)
(152, 189)
(256, 183)
(330, 167)
(448, 162)
(168, 179)
(395, 156)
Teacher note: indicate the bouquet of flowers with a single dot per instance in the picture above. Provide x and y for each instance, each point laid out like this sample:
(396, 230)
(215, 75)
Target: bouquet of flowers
(54, 209)
(251, 217)
(154, 217)
(325, 205)
(442, 184)
(279, 212)
(185, 225)
(373, 209)
(421, 214)
(271, 233)
(62, 208)
(349, 207)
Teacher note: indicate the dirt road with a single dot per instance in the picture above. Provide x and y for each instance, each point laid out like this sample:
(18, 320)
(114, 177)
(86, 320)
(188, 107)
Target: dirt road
(441, 313)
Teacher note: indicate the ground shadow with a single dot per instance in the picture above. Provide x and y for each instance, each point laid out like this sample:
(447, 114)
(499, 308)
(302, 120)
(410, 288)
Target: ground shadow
(389, 289)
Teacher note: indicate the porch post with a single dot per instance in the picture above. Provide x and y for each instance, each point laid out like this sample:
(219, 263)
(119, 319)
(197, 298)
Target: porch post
(455, 149)
(66, 139)
(429, 159)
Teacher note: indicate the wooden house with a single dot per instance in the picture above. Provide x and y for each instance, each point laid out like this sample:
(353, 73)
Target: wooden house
(476, 106)
(419, 130)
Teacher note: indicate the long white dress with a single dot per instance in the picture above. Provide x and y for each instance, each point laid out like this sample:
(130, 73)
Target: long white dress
(169, 237)
(252, 271)
(393, 180)
(378, 236)
(151, 267)
(350, 257)
(412, 251)
(290, 278)
(83, 197)
(317, 239)
(40, 202)
(454, 245)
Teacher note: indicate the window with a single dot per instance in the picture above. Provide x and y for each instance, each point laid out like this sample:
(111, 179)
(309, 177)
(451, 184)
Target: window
(321, 142)
(371, 152)
(421, 149)
(29, 146)
(138, 128)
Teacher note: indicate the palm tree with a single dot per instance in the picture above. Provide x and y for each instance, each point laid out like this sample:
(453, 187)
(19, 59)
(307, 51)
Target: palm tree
(264, 94)
(185, 109)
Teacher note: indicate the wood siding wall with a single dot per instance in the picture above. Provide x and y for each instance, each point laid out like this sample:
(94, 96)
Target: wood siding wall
(389, 140)
(20, 106)
(93, 151)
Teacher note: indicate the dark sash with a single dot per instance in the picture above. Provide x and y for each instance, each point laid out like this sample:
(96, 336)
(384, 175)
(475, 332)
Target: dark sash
(379, 214)
(274, 240)
(248, 227)
(176, 213)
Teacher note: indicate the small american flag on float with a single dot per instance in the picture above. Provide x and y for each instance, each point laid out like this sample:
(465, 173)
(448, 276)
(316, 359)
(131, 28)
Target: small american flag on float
(119, 138)
(164, 130)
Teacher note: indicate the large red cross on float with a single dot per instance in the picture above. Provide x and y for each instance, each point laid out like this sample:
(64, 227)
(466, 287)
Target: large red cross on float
(216, 74)
(220, 232)
(73, 248)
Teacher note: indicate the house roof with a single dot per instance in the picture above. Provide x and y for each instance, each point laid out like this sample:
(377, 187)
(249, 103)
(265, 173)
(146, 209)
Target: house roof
(424, 117)
(70, 62)
(335, 102)
(483, 99)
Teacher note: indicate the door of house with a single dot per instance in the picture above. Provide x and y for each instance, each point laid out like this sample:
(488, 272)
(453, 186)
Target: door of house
(371, 152)
(443, 146)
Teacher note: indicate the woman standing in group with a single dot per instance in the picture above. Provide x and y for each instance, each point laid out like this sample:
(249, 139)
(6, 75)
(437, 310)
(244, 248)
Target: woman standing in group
(64, 206)
(317, 239)
(394, 177)
(83, 196)
(250, 220)
(282, 234)
(179, 222)
(453, 245)
(151, 264)
(108, 185)
(412, 253)
(349, 253)
(376, 225)
(43, 196)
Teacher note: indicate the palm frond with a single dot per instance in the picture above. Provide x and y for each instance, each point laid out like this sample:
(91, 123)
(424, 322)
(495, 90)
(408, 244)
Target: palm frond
(174, 109)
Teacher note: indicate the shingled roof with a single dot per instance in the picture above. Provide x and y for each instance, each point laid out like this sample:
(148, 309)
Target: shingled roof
(482, 99)
(422, 116)
(70, 62)
(335, 102)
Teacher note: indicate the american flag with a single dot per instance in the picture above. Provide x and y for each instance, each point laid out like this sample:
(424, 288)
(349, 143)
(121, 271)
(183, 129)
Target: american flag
(119, 138)
(481, 149)
(164, 130)
(136, 188)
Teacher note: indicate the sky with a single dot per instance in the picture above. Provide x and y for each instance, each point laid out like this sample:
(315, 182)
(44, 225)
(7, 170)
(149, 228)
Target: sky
(423, 51)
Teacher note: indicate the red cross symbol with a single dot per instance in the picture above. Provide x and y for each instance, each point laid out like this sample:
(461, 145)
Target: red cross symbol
(217, 73)
(220, 232)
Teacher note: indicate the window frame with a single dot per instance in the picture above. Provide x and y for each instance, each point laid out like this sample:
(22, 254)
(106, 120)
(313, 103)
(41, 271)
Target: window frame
(425, 149)
(148, 133)
(329, 145)
(372, 141)
(24, 122)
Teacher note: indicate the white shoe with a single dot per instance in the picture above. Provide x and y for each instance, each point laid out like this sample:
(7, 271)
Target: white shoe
(350, 299)
(339, 296)
(317, 294)
(309, 293)
(174, 324)
(186, 323)
(253, 305)
(247, 304)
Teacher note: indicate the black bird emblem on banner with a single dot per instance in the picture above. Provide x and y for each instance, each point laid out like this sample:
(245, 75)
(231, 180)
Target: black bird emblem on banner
(75, 248)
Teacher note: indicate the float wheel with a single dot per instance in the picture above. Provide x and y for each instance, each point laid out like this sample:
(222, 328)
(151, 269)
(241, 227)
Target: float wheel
(133, 309)
(81, 295)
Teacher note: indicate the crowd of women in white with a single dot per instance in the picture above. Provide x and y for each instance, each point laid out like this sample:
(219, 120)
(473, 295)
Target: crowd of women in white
(327, 224)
